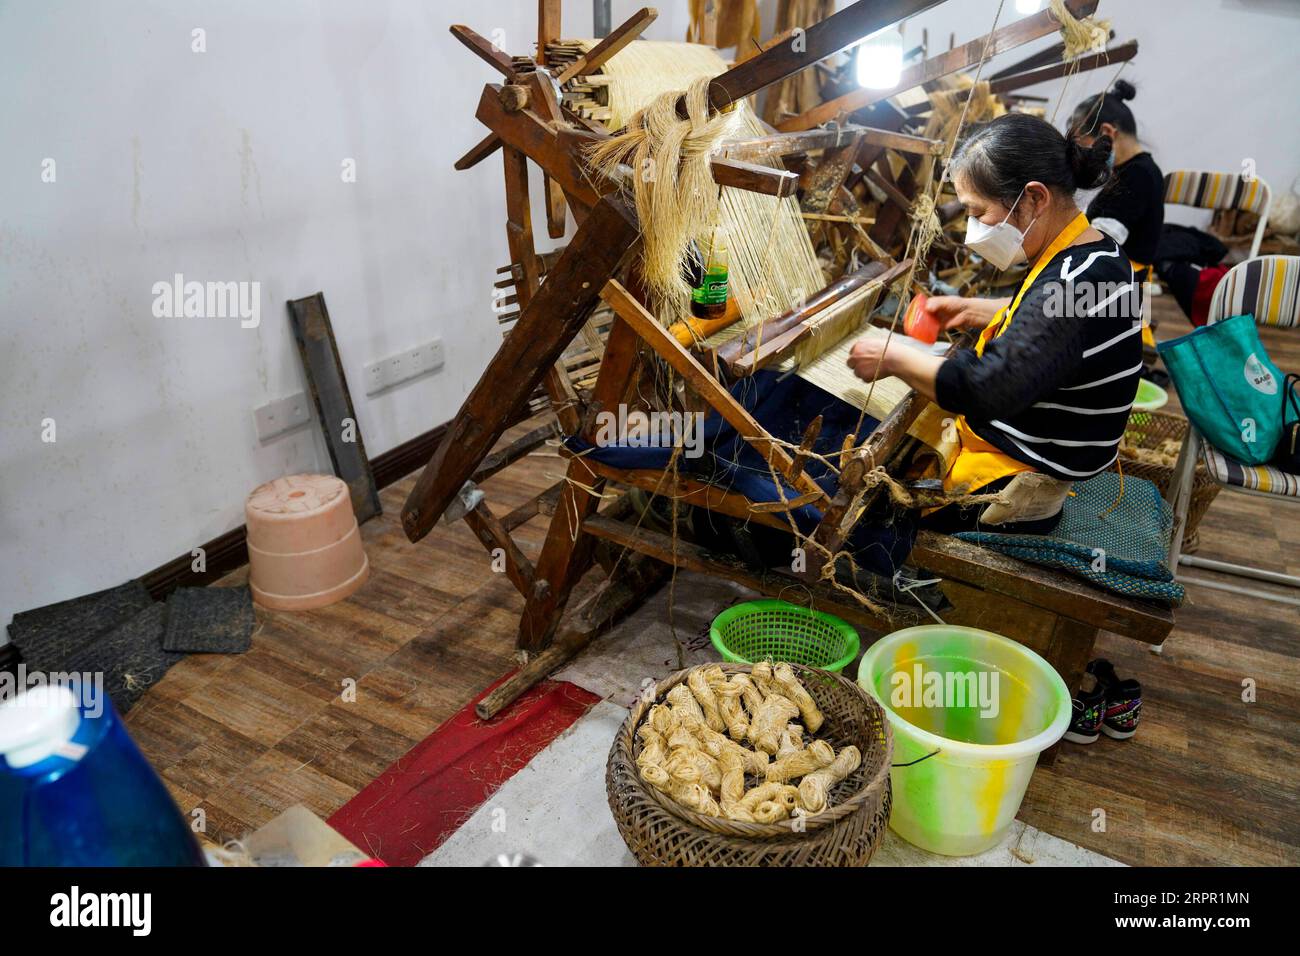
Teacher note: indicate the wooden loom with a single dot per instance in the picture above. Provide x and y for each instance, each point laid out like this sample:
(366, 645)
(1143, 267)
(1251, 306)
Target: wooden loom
(905, 107)
(1057, 615)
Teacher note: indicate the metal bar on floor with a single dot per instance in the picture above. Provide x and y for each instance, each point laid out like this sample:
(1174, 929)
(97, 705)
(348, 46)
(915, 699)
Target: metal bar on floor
(1246, 592)
(1241, 570)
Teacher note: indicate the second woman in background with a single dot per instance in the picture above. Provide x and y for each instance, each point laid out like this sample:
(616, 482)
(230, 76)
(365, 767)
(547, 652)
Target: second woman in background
(1131, 207)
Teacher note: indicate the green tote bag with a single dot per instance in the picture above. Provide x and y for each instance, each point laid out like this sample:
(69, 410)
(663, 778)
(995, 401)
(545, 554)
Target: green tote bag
(1229, 387)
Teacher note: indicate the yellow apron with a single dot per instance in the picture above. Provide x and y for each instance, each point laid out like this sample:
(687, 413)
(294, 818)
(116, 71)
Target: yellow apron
(977, 462)
(1142, 273)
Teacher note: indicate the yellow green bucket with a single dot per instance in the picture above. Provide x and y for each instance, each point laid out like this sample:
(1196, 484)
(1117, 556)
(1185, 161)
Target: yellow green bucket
(971, 711)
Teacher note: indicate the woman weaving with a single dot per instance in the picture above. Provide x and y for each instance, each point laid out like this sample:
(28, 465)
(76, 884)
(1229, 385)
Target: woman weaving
(1046, 390)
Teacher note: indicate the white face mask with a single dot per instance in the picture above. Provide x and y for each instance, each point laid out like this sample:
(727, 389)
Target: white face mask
(1001, 244)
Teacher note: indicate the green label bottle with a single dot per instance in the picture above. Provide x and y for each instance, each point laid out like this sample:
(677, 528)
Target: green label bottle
(709, 296)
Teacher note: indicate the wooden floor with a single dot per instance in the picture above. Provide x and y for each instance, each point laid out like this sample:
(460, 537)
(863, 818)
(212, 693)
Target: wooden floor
(1208, 779)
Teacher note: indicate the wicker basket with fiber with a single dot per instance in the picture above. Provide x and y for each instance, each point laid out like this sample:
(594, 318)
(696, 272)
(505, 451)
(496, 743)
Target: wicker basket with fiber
(1150, 450)
(661, 832)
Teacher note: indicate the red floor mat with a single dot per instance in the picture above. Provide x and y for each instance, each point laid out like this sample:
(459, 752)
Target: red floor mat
(412, 807)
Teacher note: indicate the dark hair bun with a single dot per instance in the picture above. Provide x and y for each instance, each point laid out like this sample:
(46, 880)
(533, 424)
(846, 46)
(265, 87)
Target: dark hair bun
(1089, 164)
(1123, 90)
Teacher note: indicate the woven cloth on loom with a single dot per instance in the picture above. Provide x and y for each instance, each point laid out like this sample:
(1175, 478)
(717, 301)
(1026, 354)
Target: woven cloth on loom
(1134, 538)
(773, 264)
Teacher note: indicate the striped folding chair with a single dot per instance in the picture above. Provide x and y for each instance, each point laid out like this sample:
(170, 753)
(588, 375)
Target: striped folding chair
(1269, 289)
(1206, 190)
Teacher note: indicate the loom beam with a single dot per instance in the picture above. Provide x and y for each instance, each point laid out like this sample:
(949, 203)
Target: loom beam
(726, 170)
(821, 40)
(831, 136)
(530, 134)
(484, 50)
(546, 325)
(959, 58)
(1047, 55)
(596, 57)
(731, 352)
(1054, 71)
(779, 337)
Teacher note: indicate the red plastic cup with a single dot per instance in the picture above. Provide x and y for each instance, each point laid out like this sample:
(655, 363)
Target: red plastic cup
(919, 322)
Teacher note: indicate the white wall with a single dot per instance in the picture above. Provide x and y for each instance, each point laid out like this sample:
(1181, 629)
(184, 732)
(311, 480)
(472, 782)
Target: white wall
(225, 166)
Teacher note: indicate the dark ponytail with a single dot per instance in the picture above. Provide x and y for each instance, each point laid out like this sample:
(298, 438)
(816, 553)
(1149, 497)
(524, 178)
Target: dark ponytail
(1000, 157)
(1091, 164)
(1105, 108)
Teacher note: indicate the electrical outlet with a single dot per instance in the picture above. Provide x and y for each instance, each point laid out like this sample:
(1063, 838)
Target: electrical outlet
(433, 355)
(282, 415)
(404, 366)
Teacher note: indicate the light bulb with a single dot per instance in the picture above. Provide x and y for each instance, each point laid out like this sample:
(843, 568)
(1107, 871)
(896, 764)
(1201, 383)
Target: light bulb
(880, 60)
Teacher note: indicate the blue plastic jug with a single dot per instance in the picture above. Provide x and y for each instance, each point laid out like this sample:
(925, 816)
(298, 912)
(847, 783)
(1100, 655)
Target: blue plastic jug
(76, 791)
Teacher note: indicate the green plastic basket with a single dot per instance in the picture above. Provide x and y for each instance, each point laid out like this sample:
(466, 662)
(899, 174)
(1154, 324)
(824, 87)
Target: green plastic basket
(771, 630)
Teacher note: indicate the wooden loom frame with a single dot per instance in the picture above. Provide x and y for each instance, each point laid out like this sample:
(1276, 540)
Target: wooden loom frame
(1055, 614)
(871, 107)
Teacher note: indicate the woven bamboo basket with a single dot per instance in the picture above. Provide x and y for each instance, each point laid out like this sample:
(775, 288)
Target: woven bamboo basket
(660, 832)
(1150, 430)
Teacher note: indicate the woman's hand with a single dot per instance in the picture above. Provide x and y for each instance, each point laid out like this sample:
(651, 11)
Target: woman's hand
(959, 312)
(868, 358)
(877, 357)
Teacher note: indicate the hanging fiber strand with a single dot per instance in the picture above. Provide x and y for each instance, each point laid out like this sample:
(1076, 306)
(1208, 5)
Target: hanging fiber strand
(1080, 35)
(772, 260)
(672, 185)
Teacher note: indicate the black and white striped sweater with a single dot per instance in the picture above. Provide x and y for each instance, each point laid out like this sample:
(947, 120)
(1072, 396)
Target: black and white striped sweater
(1054, 390)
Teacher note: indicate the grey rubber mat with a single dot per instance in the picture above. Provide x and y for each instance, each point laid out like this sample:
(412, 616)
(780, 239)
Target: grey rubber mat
(210, 620)
(47, 636)
(130, 656)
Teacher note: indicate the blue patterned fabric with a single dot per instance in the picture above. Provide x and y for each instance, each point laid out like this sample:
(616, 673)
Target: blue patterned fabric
(784, 405)
(1121, 549)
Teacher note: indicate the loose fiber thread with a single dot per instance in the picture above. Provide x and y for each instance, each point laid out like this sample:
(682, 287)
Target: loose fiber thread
(773, 265)
(1080, 35)
(671, 184)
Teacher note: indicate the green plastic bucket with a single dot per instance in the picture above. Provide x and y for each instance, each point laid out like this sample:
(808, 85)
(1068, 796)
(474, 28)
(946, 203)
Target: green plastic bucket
(971, 712)
(772, 630)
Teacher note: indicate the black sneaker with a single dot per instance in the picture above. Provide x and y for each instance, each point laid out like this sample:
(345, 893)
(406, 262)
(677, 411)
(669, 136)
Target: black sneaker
(1123, 701)
(1089, 710)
